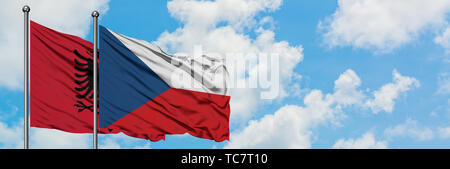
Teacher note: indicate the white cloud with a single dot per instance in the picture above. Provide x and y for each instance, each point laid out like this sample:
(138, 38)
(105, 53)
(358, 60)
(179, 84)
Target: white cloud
(410, 129)
(291, 126)
(345, 89)
(444, 39)
(444, 83)
(206, 14)
(444, 132)
(11, 136)
(382, 25)
(56, 139)
(118, 141)
(384, 98)
(71, 16)
(214, 24)
(40, 138)
(366, 141)
(286, 128)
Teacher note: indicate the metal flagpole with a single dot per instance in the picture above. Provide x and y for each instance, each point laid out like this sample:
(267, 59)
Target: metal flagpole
(26, 10)
(95, 15)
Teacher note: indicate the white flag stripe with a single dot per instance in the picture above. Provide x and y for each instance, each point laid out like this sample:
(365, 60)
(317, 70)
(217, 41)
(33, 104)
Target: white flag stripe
(202, 74)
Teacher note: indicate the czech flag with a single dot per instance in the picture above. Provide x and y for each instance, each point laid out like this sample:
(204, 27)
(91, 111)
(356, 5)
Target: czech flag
(147, 93)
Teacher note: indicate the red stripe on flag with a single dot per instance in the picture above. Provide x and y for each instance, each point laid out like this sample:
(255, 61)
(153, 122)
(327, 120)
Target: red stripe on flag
(179, 111)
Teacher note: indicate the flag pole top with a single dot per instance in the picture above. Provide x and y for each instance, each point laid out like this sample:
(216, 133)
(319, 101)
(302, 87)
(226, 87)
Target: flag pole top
(26, 8)
(95, 14)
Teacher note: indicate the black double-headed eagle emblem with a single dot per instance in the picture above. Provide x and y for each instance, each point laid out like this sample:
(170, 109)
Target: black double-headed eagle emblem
(84, 77)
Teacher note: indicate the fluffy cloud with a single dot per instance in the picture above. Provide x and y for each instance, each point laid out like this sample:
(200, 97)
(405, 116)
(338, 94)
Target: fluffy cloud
(384, 98)
(56, 139)
(206, 14)
(384, 24)
(444, 39)
(223, 27)
(410, 129)
(118, 141)
(444, 132)
(286, 128)
(11, 136)
(366, 141)
(291, 126)
(53, 14)
(345, 89)
(444, 84)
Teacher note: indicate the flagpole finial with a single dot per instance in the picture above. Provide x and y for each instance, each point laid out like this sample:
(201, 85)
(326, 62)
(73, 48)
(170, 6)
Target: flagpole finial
(95, 14)
(26, 8)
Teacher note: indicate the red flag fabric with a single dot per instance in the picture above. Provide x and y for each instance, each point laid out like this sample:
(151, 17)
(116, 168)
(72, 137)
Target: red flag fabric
(61, 81)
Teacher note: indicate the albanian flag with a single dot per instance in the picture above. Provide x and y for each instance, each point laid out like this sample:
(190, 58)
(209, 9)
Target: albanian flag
(61, 81)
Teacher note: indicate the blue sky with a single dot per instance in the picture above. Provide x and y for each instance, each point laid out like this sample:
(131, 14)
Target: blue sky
(332, 44)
